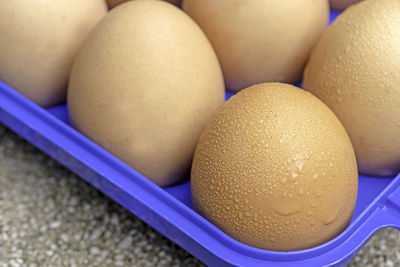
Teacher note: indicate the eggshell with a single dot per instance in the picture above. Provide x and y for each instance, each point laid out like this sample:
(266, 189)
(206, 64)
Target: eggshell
(143, 87)
(39, 40)
(275, 169)
(260, 41)
(354, 69)
(342, 4)
(114, 3)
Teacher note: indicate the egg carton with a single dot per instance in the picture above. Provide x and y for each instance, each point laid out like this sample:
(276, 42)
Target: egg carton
(169, 210)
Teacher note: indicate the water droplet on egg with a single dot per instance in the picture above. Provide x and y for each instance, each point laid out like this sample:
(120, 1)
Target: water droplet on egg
(300, 192)
(331, 217)
(286, 210)
(318, 192)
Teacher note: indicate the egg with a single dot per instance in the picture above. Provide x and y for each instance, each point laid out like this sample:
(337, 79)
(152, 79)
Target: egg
(144, 85)
(354, 70)
(114, 3)
(39, 40)
(342, 4)
(260, 41)
(275, 169)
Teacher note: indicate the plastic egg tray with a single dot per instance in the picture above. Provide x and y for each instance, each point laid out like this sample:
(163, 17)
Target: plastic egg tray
(169, 210)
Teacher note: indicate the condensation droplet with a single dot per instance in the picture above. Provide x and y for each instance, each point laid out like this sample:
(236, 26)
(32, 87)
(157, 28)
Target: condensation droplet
(318, 192)
(300, 192)
(286, 210)
(299, 165)
(331, 217)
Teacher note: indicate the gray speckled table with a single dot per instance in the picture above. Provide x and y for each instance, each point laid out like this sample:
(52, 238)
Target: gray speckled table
(50, 217)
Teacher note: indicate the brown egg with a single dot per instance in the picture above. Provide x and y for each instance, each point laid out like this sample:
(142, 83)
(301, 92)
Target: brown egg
(354, 70)
(275, 169)
(113, 3)
(260, 41)
(342, 4)
(39, 40)
(143, 87)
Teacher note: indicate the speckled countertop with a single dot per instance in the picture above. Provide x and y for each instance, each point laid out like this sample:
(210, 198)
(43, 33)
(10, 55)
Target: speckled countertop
(51, 217)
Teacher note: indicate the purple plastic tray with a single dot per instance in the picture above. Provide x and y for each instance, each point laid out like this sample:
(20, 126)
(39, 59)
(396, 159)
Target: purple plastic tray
(169, 210)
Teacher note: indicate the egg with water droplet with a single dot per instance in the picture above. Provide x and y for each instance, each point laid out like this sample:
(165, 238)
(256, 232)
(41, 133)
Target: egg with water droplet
(363, 87)
(280, 182)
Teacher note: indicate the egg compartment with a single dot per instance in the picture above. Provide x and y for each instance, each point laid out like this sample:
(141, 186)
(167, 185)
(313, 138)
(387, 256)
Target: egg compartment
(169, 210)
